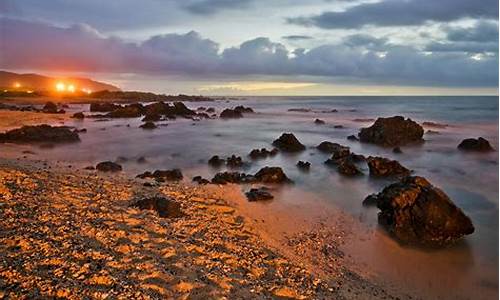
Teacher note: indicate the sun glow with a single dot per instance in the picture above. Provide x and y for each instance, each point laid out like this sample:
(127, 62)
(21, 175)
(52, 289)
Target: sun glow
(60, 87)
(71, 88)
(16, 85)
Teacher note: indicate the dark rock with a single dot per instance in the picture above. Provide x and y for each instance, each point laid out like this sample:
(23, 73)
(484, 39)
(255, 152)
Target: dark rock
(210, 110)
(300, 109)
(397, 150)
(370, 200)
(272, 175)
(288, 142)
(200, 180)
(319, 122)
(148, 125)
(417, 212)
(234, 161)
(158, 109)
(262, 153)
(338, 126)
(479, 145)
(243, 109)
(432, 132)
(230, 114)
(260, 194)
(352, 137)
(383, 167)
(181, 109)
(39, 133)
(163, 175)
(215, 161)
(335, 149)
(151, 118)
(165, 207)
(130, 111)
(78, 115)
(201, 108)
(108, 166)
(103, 107)
(50, 108)
(304, 165)
(89, 168)
(141, 160)
(232, 177)
(392, 131)
(347, 167)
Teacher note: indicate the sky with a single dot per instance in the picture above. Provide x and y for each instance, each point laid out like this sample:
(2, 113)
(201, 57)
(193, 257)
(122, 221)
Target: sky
(259, 47)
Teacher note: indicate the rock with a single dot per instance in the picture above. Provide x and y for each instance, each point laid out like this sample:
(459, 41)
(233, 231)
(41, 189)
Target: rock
(210, 110)
(141, 160)
(300, 109)
(78, 115)
(432, 132)
(260, 194)
(352, 137)
(232, 177)
(234, 161)
(215, 161)
(397, 150)
(392, 131)
(304, 165)
(103, 107)
(165, 207)
(383, 167)
(163, 175)
(50, 108)
(370, 200)
(230, 114)
(181, 109)
(130, 111)
(338, 126)
(200, 180)
(479, 145)
(151, 118)
(348, 168)
(39, 133)
(262, 153)
(272, 175)
(148, 125)
(319, 122)
(288, 142)
(108, 166)
(243, 109)
(417, 212)
(337, 150)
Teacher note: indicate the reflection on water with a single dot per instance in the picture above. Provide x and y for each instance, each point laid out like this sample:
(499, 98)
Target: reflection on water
(471, 180)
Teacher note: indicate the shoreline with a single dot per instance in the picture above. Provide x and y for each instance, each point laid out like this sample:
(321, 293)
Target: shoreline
(92, 225)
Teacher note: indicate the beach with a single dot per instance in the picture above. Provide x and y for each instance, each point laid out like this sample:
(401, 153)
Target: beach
(313, 240)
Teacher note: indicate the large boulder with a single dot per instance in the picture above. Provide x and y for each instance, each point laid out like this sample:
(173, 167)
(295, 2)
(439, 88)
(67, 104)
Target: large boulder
(289, 143)
(337, 150)
(243, 109)
(260, 194)
(182, 110)
(39, 134)
(272, 175)
(384, 167)
(392, 131)
(417, 212)
(348, 168)
(479, 145)
(165, 207)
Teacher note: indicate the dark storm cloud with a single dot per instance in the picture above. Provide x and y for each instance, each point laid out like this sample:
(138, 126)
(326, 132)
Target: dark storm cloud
(82, 48)
(401, 13)
(297, 37)
(210, 7)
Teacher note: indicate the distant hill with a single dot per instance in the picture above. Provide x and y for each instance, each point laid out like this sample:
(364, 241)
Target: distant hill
(35, 82)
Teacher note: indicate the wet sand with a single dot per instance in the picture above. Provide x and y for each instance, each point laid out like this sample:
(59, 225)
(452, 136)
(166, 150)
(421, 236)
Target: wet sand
(14, 119)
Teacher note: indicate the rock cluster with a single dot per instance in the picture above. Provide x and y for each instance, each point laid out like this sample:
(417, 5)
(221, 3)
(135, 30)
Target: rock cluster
(162, 175)
(39, 134)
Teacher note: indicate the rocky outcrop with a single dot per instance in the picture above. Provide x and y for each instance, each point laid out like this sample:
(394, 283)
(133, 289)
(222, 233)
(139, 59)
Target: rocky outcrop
(392, 131)
(262, 153)
(384, 167)
(200, 180)
(337, 150)
(39, 134)
(289, 143)
(108, 166)
(272, 175)
(51, 108)
(165, 207)
(244, 110)
(216, 161)
(162, 175)
(348, 168)
(230, 114)
(417, 212)
(259, 194)
(103, 107)
(479, 145)
(232, 177)
(234, 161)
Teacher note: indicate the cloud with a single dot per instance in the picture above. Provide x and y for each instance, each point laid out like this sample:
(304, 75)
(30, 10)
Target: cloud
(400, 13)
(210, 7)
(297, 37)
(43, 46)
(482, 31)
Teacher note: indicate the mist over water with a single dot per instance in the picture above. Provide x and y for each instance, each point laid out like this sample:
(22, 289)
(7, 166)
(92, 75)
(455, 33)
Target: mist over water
(471, 180)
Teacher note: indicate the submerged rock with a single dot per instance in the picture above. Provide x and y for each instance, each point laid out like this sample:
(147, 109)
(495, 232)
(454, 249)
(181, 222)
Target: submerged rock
(260, 194)
(230, 114)
(165, 207)
(234, 161)
(216, 161)
(337, 150)
(397, 150)
(392, 131)
(383, 167)
(243, 109)
(51, 108)
(78, 115)
(108, 166)
(262, 153)
(319, 122)
(272, 175)
(40, 133)
(148, 125)
(417, 212)
(304, 165)
(289, 143)
(352, 137)
(479, 145)
(103, 107)
(348, 168)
